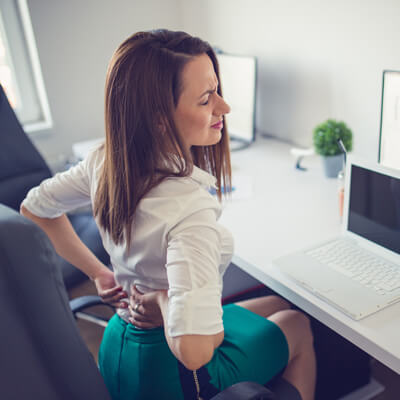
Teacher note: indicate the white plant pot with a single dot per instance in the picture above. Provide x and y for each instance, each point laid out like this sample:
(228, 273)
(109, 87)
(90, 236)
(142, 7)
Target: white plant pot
(333, 165)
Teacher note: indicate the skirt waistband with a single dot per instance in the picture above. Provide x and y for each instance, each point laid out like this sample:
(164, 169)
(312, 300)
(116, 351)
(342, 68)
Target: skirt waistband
(154, 335)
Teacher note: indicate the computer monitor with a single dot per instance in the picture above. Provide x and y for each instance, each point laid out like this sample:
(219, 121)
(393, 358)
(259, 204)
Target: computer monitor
(238, 81)
(389, 141)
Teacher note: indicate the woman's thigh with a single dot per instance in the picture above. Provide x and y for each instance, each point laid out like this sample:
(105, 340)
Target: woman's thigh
(265, 305)
(297, 329)
(254, 349)
(294, 324)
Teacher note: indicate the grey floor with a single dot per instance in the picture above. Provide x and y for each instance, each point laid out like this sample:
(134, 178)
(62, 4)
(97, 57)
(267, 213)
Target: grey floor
(92, 335)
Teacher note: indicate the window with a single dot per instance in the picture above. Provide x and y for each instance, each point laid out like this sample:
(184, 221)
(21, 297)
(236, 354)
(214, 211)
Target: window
(20, 73)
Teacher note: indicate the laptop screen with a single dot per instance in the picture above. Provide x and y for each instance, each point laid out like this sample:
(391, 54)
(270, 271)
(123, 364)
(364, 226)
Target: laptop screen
(374, 209)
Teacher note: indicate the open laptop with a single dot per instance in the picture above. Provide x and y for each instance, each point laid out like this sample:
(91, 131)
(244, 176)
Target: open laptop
(359, 271)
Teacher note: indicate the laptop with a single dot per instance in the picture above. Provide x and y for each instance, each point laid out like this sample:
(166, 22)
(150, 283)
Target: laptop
(359, 271)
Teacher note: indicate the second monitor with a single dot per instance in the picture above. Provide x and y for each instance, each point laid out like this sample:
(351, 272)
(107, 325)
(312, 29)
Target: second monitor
(389, 142)
(238, 81)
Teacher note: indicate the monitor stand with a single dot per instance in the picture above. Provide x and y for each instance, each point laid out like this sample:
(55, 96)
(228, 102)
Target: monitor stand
(238, 144)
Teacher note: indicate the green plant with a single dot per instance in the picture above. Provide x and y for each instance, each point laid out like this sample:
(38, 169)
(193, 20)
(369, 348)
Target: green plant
(326, 135)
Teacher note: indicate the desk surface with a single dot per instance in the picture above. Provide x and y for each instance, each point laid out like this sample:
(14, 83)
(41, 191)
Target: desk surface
(283, 210)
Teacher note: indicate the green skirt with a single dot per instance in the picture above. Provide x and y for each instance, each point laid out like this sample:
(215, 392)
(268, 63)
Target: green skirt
(138, 364)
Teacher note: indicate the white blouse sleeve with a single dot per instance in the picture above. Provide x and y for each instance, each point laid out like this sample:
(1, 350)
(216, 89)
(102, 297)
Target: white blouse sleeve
(63, 192)
(193, 259)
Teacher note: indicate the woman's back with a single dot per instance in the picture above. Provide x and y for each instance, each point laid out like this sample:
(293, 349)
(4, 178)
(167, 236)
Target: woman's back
(168, 224)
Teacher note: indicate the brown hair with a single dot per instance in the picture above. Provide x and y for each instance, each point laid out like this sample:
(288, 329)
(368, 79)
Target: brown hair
(142, 90)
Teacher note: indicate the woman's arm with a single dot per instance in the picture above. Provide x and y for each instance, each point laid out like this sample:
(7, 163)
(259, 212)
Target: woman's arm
(193, 351)
(191, 309)
(69, 246)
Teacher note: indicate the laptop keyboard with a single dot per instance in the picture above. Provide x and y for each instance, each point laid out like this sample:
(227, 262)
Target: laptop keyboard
(360, 265)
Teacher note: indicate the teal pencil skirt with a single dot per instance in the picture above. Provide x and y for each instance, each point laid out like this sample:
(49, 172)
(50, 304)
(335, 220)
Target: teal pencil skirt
(138, 364)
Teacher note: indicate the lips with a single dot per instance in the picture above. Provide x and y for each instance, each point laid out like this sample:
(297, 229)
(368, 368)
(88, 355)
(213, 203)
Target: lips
(218, 125)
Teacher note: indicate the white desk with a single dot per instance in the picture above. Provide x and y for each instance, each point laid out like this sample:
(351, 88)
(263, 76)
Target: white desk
(288, 210)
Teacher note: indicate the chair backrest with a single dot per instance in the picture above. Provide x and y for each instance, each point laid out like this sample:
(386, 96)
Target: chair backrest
(21, 165)
(42, 355)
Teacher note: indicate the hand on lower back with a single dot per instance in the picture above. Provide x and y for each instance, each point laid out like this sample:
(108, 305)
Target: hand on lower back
(144, 309)
(108, 289)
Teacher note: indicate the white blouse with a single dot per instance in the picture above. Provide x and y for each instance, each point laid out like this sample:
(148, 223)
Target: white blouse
(177, 243)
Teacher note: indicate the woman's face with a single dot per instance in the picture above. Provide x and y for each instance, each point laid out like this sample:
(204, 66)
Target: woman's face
(199, 112)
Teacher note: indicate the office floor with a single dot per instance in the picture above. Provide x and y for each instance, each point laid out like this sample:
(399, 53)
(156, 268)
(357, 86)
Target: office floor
(92, 335)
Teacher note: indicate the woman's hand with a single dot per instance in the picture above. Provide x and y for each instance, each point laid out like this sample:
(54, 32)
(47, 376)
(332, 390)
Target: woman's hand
(108, 289)
(144, 308)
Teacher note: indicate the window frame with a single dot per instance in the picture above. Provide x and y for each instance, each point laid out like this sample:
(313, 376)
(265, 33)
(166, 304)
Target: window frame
(34, 112)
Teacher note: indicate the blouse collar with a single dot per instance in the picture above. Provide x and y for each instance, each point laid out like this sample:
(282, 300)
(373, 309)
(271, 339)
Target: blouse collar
(203, 177)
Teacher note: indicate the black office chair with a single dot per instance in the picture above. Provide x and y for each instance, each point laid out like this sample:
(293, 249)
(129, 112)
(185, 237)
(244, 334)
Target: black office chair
(42, 354)
(21, 168)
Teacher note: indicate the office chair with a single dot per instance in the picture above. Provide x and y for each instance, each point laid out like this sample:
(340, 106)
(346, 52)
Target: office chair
(42, 354)
(21, 168)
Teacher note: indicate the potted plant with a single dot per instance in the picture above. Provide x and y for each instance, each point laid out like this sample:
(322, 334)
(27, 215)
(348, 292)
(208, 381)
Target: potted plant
(325, 140)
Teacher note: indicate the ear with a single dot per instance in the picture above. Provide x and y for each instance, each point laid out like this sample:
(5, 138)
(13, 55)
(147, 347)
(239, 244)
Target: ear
(161, 123)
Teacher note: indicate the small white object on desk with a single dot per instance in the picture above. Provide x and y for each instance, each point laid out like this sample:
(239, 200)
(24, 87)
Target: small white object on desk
(300, 154)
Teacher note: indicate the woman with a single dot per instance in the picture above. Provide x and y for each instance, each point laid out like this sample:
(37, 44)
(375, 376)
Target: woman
(166, 145)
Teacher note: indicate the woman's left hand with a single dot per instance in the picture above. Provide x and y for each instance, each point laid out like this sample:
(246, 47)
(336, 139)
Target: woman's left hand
(108, 289)
(144, 309)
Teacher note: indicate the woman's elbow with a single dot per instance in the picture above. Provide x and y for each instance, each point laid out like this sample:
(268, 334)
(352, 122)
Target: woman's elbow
(22, 210)
(196, 360)
(195, 351)
(27, 214)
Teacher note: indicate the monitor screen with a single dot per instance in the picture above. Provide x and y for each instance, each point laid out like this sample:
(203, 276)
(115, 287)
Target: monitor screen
(374, 210)
(238, 82)
(389, 143)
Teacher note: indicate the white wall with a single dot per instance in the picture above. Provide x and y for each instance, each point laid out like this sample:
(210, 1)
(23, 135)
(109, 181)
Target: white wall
(317, 59)
(75, 41)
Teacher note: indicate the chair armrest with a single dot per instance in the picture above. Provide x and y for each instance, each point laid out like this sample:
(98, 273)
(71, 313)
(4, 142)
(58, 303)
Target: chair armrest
(283, 389)
(245, 391)
(80, 303)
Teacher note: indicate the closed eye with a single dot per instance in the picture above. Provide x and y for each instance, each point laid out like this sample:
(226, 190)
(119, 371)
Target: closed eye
(210, 93)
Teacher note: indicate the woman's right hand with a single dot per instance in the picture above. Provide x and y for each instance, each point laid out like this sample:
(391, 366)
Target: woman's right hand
(108, 290)
(144, 308)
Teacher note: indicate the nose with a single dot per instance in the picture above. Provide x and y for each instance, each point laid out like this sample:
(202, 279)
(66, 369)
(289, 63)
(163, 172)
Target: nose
(221, 107)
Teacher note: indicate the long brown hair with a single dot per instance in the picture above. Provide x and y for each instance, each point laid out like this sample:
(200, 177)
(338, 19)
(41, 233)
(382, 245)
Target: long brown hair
(142, 90)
